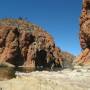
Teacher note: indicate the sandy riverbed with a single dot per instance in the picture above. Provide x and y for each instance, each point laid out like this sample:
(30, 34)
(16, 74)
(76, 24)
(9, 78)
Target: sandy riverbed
(45, 80)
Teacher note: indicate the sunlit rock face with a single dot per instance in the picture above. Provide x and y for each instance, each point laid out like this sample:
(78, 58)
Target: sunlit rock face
(85, 25)
(84, 57)
(24, 44)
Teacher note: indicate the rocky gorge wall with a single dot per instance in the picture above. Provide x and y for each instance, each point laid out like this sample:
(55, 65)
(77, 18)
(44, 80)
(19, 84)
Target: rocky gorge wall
(84, 57)
(23, 44)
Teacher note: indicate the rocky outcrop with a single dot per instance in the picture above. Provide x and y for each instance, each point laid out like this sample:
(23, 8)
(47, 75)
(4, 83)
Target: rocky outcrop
(84, 57)
(68, 60)
(85, 25)
(24, 44)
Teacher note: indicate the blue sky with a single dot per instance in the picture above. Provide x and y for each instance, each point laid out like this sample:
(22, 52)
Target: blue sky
(59, 17)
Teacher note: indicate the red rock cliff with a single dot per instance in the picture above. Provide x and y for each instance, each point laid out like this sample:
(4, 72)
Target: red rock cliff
(84, 57)
(25, 44)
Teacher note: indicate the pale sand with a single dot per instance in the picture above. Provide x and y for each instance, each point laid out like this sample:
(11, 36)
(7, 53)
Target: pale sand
(60, 80)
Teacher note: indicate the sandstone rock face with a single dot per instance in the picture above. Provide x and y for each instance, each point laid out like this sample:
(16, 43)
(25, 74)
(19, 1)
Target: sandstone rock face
(25, 44)
(85, 25)
(84, 57)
